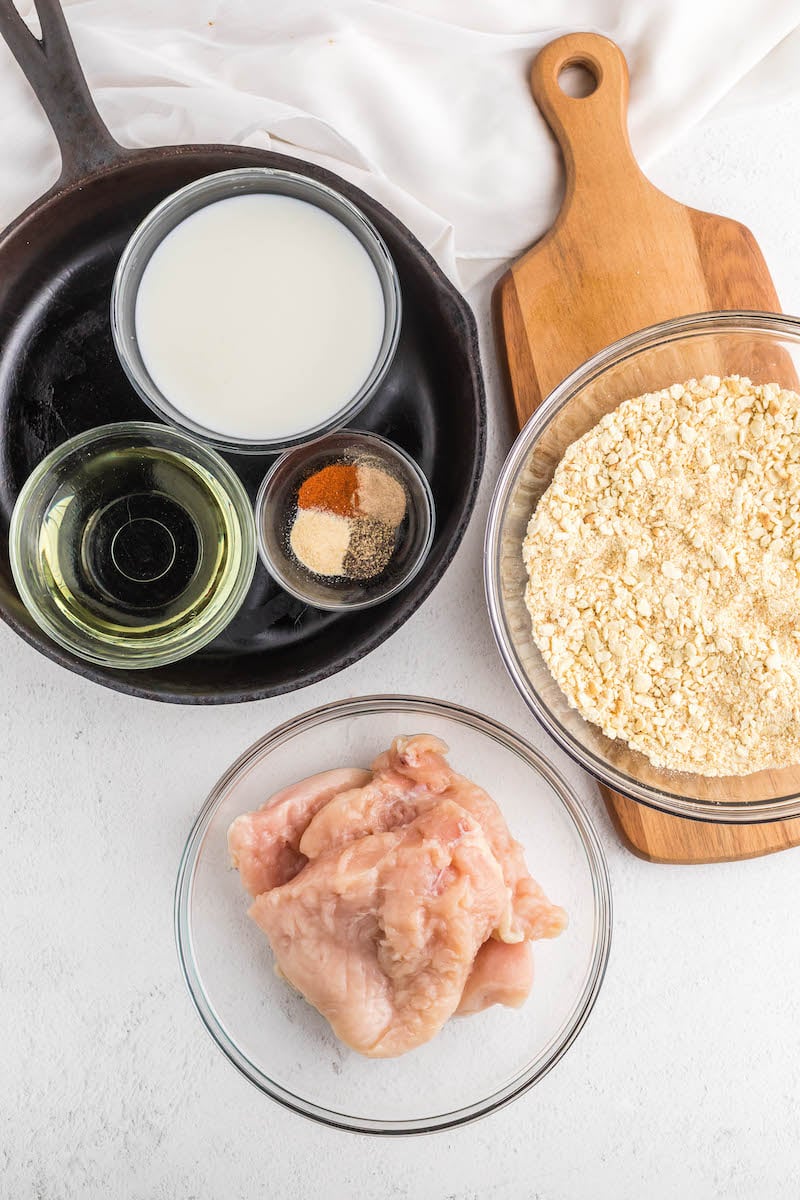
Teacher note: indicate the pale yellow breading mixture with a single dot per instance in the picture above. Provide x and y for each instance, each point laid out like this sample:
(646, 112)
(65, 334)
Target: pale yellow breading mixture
(664, 576)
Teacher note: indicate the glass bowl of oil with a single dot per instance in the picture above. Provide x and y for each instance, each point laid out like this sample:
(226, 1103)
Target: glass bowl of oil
(132, 545)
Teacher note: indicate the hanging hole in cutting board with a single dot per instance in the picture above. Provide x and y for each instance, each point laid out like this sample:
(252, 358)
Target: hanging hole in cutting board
(577, 79)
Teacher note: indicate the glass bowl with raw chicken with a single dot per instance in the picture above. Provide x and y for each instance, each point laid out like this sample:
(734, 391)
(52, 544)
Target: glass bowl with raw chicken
(392, 834)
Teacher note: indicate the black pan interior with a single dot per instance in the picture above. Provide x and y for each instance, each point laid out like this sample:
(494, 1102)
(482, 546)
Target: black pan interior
(59, 375)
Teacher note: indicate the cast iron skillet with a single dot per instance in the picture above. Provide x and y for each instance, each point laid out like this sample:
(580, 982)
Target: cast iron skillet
(59, 375)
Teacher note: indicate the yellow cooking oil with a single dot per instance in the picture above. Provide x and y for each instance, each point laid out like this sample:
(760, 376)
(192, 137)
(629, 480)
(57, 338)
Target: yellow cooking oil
(136, 543)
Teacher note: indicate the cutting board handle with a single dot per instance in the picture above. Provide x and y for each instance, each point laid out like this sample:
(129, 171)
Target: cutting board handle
(591, 130)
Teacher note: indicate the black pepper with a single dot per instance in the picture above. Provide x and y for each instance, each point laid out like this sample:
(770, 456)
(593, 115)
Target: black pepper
(370, 548)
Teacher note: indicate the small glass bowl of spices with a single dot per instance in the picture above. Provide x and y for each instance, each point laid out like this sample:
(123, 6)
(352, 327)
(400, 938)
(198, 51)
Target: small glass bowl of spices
(344, 522)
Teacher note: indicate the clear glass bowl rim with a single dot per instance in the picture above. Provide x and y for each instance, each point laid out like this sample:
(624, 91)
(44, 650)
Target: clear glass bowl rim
(698, 324)
(170, 438)
(367, 439)
(123, 301)
(601, 888)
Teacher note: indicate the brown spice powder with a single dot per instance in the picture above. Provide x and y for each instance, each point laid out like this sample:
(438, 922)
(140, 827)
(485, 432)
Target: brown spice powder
(379, 495)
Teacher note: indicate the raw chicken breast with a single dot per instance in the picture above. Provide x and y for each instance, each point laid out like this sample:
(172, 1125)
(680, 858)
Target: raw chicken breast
(394, 898)
(381, 934)
(502, 974)
(406, 779)
(410, 777)
(264, 845)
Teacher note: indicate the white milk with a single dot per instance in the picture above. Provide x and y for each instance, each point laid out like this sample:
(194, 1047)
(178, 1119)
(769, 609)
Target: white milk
(259, 316)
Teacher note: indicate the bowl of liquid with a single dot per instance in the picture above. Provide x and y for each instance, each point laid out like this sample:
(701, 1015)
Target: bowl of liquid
(132, 545)
(256, 309)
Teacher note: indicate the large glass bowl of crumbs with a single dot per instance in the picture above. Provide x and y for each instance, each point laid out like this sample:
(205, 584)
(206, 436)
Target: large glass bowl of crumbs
(344, 522)
(642, 566)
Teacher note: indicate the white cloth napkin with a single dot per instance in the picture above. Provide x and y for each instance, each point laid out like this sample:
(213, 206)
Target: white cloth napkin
(423, 103)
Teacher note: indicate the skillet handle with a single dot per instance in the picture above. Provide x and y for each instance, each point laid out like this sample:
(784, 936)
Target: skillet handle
(51, 67)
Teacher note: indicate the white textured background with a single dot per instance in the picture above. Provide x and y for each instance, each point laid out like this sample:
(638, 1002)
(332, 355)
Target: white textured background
(686, 1080)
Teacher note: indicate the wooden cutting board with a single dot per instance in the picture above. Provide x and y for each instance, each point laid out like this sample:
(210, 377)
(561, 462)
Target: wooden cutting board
(620, 256)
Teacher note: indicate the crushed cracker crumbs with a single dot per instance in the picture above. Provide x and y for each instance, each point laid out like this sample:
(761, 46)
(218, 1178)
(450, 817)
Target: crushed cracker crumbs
(664, 576)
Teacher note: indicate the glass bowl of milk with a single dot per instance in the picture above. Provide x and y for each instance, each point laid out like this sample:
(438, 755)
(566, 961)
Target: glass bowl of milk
(256, 309)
